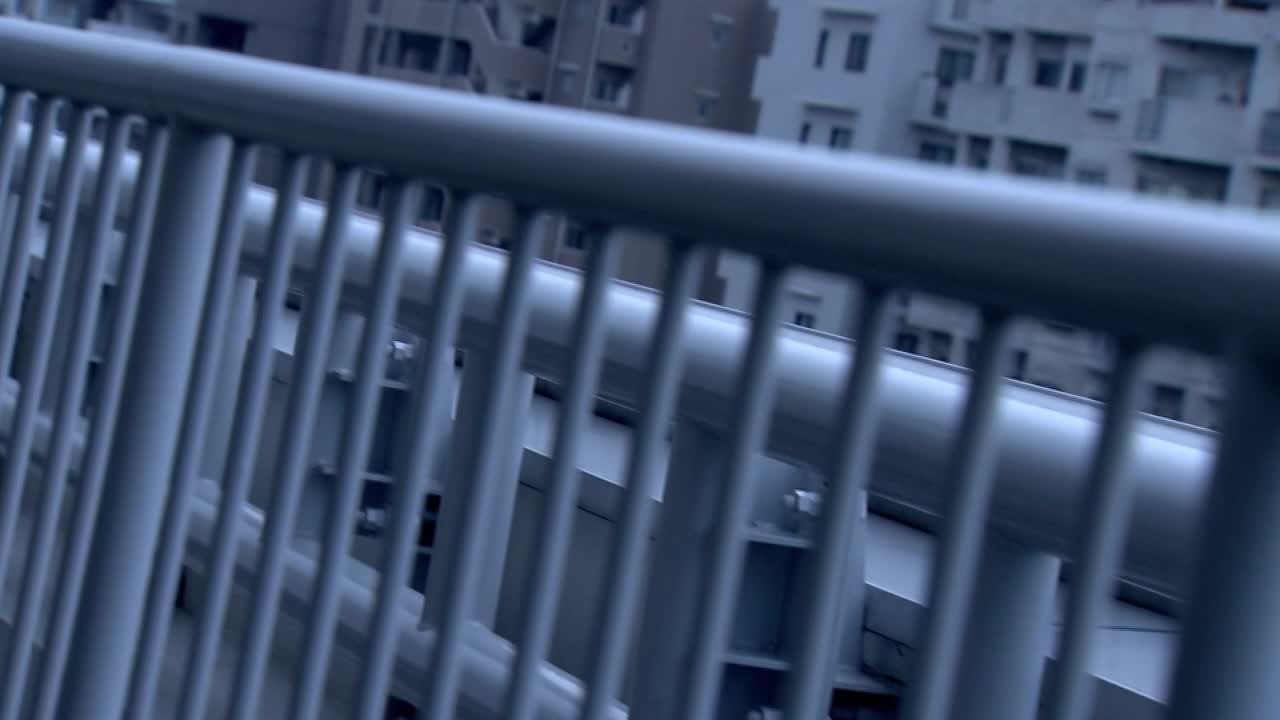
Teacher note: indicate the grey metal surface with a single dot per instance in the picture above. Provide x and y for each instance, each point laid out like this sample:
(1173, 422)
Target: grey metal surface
(129, 518)
(195, 422)
(71, 577)
(966, 510)
(1021, 463)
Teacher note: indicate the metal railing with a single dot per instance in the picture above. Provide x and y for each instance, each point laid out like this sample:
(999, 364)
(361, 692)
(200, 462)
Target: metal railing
(1019, 478)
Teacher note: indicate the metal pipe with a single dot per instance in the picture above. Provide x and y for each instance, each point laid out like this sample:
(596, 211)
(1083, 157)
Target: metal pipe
(1090, 264)
(84, 312)
(1231, 632)
(107, 629)
(1044, 436)
(965, 513)
(195, 423)
(94, 466)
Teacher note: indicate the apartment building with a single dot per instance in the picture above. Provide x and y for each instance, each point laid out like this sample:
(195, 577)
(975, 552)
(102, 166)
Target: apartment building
(1170, 98)
(680, 61)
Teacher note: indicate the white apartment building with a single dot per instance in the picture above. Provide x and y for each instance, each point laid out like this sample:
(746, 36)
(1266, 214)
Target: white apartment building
(1176, 98)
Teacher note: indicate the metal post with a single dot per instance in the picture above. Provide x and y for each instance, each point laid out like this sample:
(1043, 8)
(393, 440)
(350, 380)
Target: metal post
(690, 506)
(1231, 632)
(503, 503)
(106, 631)
(1009, 633)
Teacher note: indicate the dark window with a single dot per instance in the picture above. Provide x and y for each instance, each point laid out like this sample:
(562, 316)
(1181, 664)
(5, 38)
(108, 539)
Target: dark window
(820, 54)
(432, 205)
(575, 237)
(1091, 176)
(906, 342)
(804, 133)
(1000, 70)
(1075, 83)
(804, 319)
(1019, 371)
(936, 152)
(841, 138)
(940, 345)
(460, 58)
(1048, 73)
(954, 66)
(979, 152)
(855, 59)
(1166, 401)
(222, 33)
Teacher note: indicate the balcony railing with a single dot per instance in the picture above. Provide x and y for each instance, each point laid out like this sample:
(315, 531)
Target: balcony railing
(1020, 479)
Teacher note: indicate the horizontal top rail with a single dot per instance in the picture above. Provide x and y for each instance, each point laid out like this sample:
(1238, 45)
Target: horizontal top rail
(1187, 276)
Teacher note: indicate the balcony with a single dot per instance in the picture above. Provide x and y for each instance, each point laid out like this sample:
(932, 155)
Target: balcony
(1051, 16)
(1204, 22)
(1189, 130)
(1027, 113)
(619, 45)
(599, 462)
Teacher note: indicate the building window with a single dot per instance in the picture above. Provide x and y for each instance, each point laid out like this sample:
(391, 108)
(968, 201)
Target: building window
(460, 58)
(940, 345)
(906, 342)
(804, 319)
(1110, 81)
(1075, 82)
(979, 152)
(998, 64)
(1269, 197)
(575, 237)
(612, 84)
(706, 106)
(841, 138)
(954, 66)
(1048, 73)
(820, 54)
(855, 58)
(1020, 361)
(222, 33)
(1166, 401)
(805, 129)
(935, 152)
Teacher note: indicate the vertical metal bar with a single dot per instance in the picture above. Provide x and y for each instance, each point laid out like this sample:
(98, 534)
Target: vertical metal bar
(431, 400)
(483, 467)
(250, 402)
(755, 390)
(542, 593)
(826, 591)
(613, 629)
(502, 505)
(44, 314)
(173, 533)
(964, 524)
(107, 628)
(310, 362)
(1008, 633)
(15, 107)
(1101, 526)
(15, 277)
(353, 460)
(93, 469)
(681, 556)
(1231, 632)
(66, 418)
